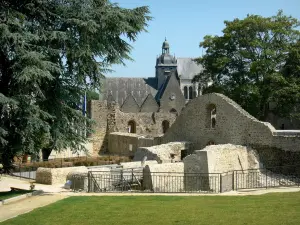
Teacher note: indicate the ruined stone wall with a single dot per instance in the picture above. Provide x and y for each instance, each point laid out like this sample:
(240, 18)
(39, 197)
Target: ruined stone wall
(149, 124)
(109, 118)
(99, 113)
(127, 143)
(233, 125)
(165, 153)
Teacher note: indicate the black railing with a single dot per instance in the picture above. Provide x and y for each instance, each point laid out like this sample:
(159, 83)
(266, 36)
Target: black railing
(267, 177)
(165, 182)
(137, 181)
(26, 172)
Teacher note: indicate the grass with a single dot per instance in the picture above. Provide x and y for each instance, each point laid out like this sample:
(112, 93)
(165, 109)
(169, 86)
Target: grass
(11, 194)
(278, 208)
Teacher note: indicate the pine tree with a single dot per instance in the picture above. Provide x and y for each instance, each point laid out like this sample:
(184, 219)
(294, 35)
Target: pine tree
(52, 52)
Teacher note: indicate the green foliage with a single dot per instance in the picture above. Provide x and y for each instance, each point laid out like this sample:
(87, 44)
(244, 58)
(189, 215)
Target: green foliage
(250, 61)
(49, 50)
(92, 95)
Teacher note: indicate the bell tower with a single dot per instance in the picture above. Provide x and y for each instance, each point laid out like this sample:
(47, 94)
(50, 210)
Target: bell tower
(166, 65)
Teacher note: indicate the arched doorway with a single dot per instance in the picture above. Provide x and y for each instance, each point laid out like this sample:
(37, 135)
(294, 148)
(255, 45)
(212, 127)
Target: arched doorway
(131, 126)
(165, 125)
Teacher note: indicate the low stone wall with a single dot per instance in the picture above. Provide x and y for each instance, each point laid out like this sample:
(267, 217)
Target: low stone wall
(165, 153)
(213, 163)
(56, 175)
(130, 165)
(166, 177)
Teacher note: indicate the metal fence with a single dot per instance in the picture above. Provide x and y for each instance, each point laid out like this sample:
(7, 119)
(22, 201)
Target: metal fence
(267, 177)
(24, 172)
(135, 180)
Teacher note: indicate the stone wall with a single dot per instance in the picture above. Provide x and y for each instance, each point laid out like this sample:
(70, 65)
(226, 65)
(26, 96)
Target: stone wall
(56, 175)
(166, 177)
(213, 163)
(109, 118)
(232, 125)
(127, 143)
(164, 153)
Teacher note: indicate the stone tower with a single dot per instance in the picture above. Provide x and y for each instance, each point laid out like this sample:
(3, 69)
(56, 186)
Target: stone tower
(165, 65)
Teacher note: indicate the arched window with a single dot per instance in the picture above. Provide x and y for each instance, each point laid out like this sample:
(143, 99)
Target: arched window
(211, 116)
(165, 125)
(185, 92)
(131, 126)
(190, 92)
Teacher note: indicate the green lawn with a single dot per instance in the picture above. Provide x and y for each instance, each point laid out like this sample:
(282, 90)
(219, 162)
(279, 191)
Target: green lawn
(10, 194)
(278, 208)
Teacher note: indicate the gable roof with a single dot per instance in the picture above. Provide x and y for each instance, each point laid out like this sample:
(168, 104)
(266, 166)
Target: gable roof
(149, 105)
(130, 105)
(120, 88)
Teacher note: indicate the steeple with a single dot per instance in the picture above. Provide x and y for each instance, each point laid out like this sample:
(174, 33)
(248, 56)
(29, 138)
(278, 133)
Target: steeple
(165, 47)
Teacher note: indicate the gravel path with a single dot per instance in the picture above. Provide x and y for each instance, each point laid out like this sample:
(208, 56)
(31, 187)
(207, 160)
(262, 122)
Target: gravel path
(26, 205)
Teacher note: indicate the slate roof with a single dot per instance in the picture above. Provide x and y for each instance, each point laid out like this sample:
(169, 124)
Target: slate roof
(120, 87)
(187, 68)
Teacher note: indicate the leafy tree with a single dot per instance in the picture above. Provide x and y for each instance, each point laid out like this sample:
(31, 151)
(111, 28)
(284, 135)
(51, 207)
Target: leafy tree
(49, 50)
(248, 61)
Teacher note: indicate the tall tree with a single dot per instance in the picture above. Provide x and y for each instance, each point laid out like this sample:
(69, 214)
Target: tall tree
(246, 62)
(52, 52)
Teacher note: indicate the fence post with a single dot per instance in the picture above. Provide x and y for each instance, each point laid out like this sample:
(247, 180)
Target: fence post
(232, 181)
(220, 177)
(89, 182)
(266, 178)
(236, 180)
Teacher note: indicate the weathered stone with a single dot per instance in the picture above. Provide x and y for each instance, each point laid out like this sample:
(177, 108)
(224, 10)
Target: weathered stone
(166, 177)
(164, 153)
(56, 175)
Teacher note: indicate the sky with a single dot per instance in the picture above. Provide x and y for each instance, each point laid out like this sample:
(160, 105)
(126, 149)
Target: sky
(185, 23)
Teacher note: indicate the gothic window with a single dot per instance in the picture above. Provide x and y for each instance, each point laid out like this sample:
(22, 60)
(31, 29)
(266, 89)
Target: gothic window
(165, 125)
(131, 126)
(211, 116)
(190, 92)
(185, 91)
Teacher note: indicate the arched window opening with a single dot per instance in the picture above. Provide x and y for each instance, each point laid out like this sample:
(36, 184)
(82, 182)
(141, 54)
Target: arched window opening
(185, 92)
(213, 122)
(190, 92)
(211, 143)
(131, 126)
(211, 116)
(165, 125)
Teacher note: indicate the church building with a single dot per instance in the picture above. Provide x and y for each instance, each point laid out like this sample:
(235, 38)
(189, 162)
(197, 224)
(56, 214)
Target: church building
(168, 91)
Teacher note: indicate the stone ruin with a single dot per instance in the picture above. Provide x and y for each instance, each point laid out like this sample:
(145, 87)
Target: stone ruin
(212, 137)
